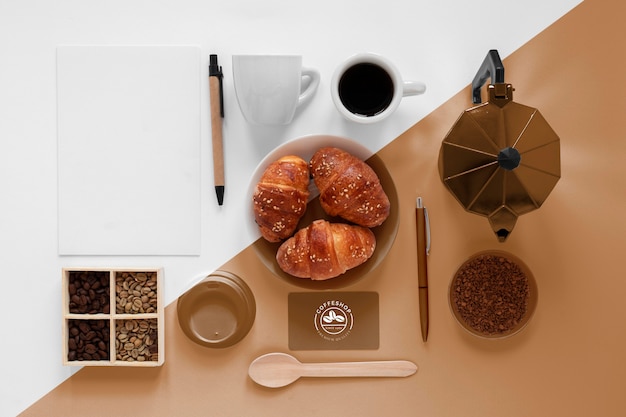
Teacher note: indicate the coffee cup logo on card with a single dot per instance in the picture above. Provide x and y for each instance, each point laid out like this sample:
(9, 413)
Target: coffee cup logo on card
(333, 320)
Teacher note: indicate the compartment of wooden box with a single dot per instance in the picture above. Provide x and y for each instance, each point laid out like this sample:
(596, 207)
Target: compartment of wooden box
(113, 317)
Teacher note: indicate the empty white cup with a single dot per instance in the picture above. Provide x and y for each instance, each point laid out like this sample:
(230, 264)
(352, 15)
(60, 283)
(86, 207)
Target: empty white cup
(270, 88)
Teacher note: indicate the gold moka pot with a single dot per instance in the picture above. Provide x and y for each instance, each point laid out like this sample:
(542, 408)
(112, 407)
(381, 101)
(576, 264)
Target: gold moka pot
(501, 159)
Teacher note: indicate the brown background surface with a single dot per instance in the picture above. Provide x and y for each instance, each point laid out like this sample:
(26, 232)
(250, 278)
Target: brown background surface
(568, 362)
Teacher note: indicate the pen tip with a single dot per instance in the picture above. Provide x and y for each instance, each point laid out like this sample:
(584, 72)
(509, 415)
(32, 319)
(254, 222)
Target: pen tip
(219, 190)
(418, 202)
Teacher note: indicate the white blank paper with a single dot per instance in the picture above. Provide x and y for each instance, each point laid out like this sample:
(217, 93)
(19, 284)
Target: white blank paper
(128, 150)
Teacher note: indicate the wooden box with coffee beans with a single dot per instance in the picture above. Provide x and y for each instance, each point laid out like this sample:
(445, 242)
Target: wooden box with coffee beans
(113, 317)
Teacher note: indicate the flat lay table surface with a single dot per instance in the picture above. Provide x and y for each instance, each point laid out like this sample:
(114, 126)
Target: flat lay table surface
(559, 57)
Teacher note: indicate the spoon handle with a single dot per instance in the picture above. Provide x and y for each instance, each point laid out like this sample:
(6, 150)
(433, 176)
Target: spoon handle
(360, 369)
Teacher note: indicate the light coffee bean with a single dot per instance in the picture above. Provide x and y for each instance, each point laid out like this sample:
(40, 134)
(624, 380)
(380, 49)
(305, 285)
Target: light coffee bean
(138, 341)
(137, 289)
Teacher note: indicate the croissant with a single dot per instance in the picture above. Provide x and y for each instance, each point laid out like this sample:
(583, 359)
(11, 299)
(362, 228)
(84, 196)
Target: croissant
(325, 250)
(349, 188)
(280, 197)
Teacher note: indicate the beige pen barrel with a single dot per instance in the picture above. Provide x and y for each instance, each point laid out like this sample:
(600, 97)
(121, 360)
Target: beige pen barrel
(216, 131)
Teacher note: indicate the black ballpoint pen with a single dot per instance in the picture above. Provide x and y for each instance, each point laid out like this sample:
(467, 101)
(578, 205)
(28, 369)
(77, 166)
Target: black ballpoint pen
(423, 248)
(217, 114)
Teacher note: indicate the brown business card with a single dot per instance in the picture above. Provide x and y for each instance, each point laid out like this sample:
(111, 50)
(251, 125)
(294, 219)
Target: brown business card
(333, 320)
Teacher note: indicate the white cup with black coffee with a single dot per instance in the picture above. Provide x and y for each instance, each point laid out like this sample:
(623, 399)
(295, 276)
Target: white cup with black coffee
(367, 87)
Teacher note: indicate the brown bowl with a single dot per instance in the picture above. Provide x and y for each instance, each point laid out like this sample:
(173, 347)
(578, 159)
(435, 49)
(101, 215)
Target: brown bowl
(218, 311)
(385, 234)
(493, 295)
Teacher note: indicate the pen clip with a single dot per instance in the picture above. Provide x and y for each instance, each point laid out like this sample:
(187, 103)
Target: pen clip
(220, 77)
(427, 223)
(420, 205)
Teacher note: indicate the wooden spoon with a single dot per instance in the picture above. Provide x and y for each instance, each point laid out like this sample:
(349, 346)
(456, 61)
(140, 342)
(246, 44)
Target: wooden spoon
(276, 370)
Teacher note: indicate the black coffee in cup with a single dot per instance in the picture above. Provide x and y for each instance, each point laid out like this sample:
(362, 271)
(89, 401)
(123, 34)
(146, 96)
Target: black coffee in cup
(366, 89)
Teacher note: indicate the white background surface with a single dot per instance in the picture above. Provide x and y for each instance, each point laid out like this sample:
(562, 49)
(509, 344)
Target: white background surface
(441, 43)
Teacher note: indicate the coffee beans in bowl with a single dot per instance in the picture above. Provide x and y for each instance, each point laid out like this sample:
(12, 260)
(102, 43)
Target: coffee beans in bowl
(493, 294)
(112, 317)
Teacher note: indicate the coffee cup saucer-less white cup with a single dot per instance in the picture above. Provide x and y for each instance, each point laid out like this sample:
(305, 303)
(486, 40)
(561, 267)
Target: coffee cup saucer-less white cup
(401, 87)
(269, 88)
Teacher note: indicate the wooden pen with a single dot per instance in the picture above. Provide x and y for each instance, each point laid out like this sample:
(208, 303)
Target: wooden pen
(423, 247)
(217, 114)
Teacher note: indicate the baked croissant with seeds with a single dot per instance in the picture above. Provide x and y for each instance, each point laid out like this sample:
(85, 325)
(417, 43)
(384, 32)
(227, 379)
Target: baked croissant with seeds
(349, 188)
(325, 250)
(280, 197)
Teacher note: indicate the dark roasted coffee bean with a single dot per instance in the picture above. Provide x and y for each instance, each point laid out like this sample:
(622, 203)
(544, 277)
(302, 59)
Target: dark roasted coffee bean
(92, 344)
(89, 287)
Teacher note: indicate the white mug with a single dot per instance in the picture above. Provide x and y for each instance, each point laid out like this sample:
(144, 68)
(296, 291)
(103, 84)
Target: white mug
(270, 88)
(367, 87)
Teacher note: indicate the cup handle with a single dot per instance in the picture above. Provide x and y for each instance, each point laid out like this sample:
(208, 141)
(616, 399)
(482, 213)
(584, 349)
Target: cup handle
(309, 91)
(413, 88)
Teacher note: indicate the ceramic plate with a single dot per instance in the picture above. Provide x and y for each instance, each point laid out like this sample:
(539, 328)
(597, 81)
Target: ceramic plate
(385, 234)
